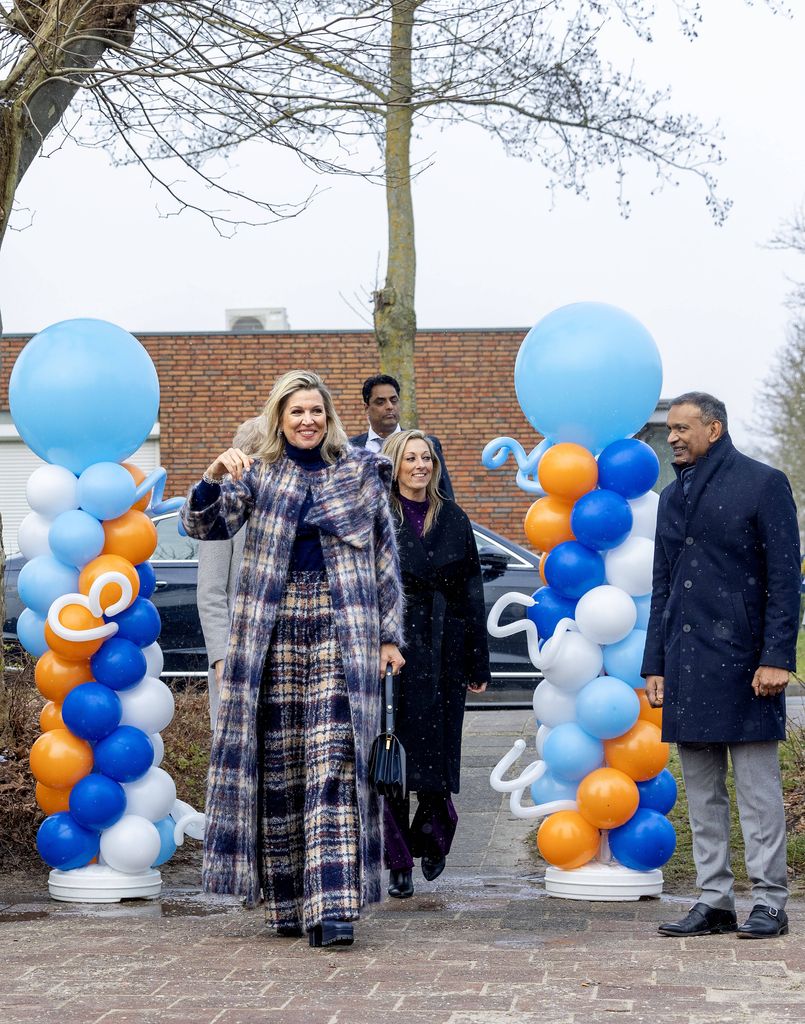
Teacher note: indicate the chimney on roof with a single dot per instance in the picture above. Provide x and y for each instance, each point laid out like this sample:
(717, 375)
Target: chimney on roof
(265, 318)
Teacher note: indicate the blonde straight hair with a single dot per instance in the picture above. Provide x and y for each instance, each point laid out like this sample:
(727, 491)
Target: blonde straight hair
(272, 446)
(394, 449)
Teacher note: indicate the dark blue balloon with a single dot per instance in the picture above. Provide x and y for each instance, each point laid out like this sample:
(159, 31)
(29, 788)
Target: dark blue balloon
(92, 711)
(601, 520)
(124, 755)
(645, 842)
(119, 663)
(148, 578)
(97, 802)
(629, 467)
(572, 569)
(659, 793)
(139, 623)
(64, 844)
(548, 608)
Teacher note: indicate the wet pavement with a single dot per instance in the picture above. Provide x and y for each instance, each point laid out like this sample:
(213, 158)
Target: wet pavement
(482, 944)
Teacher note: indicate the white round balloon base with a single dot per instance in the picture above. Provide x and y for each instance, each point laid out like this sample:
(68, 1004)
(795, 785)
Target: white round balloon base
(602, 883)
(98, 883)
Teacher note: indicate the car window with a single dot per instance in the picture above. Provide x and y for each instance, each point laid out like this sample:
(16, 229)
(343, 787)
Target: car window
(487, 546)
(171, 547)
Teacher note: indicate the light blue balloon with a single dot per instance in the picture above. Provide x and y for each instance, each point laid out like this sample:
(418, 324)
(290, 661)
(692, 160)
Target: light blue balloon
(643, 605)
(76, 537)
(43, 579)
(83, 391)
(548, 788)
(167, 848)
(607, 707)
(106, 490)
(588, 373)
(571, 753)
(625, 658)
(31, 632)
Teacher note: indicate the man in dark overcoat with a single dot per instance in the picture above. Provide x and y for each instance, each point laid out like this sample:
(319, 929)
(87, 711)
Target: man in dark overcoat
(721, 643)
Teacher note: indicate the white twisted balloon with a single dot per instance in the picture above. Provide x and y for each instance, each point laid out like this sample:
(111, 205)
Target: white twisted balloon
(517, 787)
(520, 626)
(92, 603)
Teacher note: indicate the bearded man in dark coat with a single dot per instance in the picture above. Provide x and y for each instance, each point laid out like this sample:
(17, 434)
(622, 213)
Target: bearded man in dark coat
(721, 643)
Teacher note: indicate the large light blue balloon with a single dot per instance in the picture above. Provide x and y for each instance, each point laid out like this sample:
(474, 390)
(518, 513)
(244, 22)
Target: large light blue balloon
(607, 707)
(548, 788)
(76, 537)
(625, 658)
(588, 373)
(106, 490)
(571, 753)
(83, 391)
(31, 632)
(43, 579)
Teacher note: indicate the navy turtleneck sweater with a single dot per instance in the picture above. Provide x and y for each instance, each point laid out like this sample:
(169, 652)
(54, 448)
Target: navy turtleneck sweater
(306, 555)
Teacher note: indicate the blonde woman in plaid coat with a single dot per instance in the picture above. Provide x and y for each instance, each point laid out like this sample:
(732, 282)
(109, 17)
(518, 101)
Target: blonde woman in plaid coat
(317, 616)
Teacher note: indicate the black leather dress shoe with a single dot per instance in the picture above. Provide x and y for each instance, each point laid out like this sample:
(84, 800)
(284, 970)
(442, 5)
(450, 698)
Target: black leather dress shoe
(331, 933)
(432, 868)
(701, 920)
(401, 884)
(764, 923)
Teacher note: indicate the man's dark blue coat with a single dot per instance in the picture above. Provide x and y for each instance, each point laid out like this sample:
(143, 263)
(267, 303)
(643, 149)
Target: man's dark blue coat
(725, 598)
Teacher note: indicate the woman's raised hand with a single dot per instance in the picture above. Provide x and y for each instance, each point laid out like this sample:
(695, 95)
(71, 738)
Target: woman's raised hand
(233, 461)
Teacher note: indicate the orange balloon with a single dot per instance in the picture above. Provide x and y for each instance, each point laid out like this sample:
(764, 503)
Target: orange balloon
(647, 712)
(74, 616)
(56, 676)
(50, 717)
(138, 475)
(52, 800)
(567, 841)
(607, 798)
(132, 535)
(542, 559)
(547, 523)
(639, 753)
(108, 563)
(567, 471)
(59, 759)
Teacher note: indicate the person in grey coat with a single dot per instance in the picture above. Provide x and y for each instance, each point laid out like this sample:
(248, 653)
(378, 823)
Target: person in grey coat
(720, 644)
(218, 569)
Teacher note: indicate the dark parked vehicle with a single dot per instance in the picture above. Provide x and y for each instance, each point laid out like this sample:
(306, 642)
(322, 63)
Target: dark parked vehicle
(506, 566)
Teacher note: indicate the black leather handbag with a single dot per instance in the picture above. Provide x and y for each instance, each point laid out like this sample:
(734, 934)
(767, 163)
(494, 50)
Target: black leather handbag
(387, 757)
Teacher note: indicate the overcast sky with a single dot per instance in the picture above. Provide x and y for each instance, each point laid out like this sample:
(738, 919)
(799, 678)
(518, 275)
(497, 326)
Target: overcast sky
(493, 249)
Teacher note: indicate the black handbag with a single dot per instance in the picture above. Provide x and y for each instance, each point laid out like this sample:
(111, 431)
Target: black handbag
(387, 757)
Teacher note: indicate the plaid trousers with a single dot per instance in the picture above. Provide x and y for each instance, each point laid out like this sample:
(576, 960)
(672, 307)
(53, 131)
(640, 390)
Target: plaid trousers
(308, 830)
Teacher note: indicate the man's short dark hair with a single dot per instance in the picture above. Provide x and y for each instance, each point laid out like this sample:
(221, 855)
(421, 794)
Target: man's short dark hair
(379, 378)
(710, 408)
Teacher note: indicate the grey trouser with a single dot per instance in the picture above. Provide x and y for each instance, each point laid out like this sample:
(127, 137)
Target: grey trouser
(759, 794)
(215, 696)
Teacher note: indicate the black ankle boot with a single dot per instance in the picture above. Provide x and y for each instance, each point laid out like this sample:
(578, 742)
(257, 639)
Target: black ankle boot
(432, 868)
(331, 933)
(290, 931)
(401, 884)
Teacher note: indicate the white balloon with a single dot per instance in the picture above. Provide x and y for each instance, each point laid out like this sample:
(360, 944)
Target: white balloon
(32, 535)
(569, 660)
(131, 845)
(606, 614)
(151, 796)
(553, 706)
(159, 749)
(630, 566)
(147, 706)
(543, 733)
(154, 659)
(52, 490)
(644, 515)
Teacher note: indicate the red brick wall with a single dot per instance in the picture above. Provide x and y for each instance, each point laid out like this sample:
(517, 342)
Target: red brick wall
(465, 389)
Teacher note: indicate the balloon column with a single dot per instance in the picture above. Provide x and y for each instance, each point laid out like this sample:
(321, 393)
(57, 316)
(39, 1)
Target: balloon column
(84, 395)
(587, 377)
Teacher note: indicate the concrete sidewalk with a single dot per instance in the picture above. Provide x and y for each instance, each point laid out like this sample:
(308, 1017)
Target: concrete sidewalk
(480, 945)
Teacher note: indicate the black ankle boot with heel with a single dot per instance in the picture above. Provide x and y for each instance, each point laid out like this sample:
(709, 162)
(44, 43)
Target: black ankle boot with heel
(401, 884)
(331, 933)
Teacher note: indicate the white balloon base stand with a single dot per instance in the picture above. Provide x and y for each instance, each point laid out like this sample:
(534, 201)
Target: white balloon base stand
(98, 883)
(602, 883)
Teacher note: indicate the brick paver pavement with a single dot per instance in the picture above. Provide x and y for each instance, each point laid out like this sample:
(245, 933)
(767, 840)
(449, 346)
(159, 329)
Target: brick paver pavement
(480, 945)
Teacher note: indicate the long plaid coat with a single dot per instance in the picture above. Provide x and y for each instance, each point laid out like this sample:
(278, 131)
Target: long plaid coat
(360, 554)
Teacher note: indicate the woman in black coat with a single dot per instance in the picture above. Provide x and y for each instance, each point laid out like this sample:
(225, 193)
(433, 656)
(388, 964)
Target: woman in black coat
(445, 652)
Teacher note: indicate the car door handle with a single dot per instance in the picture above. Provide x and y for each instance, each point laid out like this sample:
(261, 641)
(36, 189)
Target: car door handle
(160, 584)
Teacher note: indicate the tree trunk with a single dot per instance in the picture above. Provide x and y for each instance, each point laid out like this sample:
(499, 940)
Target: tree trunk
(394, 311)
(4, 730)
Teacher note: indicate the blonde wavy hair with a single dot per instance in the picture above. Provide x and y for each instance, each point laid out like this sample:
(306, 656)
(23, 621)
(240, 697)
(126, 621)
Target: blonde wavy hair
(394, 449)
(272, 446)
